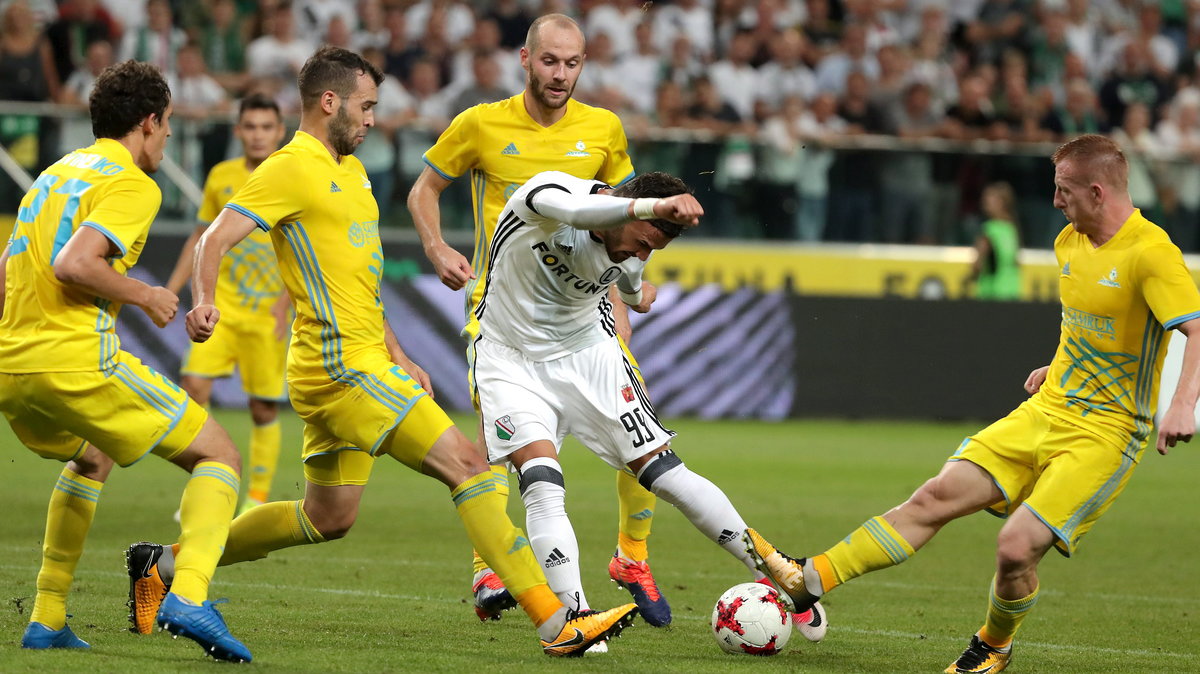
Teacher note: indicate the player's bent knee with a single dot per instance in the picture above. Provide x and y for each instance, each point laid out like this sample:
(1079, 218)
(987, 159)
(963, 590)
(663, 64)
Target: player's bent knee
(211, 444)
(1016, 551)
(93, 464)
(263, 412)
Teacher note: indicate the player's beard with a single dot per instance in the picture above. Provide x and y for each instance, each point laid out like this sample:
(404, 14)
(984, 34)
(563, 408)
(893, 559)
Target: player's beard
(538, 87)
(342, 133)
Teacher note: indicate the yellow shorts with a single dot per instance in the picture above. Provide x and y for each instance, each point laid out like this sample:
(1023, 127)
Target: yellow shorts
(249, 343)
(1066, 475)
(350, 421)
(125, 413)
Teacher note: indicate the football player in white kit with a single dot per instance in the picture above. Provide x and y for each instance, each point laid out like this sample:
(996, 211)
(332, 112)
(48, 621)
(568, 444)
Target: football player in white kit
(548, 362)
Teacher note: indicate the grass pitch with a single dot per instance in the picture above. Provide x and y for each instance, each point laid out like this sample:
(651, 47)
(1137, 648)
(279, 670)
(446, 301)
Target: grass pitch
(394, 595)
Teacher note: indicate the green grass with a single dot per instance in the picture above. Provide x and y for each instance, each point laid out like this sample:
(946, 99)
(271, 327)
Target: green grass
(394, 595)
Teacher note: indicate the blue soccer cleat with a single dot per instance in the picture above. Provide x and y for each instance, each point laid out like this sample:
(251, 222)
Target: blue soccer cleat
(38, 636)
(636, 577)
(202, 624)
(491, 597)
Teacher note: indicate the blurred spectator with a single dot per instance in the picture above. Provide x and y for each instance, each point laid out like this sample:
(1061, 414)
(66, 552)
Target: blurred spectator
(685, 18)
(198, 97)
(372, 27)
(814, 128)
(454, 20)
(998, 25)
(158, 42)
(430, 102)
(868, 14)
(29, 75)
(681, 66)
(1079, 115)
(1142, 150)
(1083, 34)
(78, 87)
(223, 42)
(887, 93)
(786, 74)
(600, 83)
(1132, 81)
(510, 76)
(313, 17)
(1160, 50)
(513, 19)
(995, 270)
(972, 117)
(853, 214)
(824, 33)
(1048, 48)
(80, 23)
(638, 71)
(906, 177)
(280, 53)
(851, 56)
(399, 53)
(734, 77)
(1179, 134)
(618, 19)
(337, 33)
(485, 87)
(931, 65)
(378, 156)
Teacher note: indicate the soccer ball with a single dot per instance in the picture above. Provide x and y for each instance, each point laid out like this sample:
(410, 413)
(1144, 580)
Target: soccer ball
(751, 619)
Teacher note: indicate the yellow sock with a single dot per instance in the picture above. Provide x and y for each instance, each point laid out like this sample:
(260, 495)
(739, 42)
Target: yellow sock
(72, 507)
(204, 514)
(266, 528)
(264, 455)
(503, 546)
(501, 482)
(1004, 617)
(636, 507)
(873, 546)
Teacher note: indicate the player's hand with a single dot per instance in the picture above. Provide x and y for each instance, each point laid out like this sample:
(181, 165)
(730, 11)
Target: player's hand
(416, 372)
(681, 209)
(161, 305)
(649, 293)
(201, 322)
(282, 311)
(452, 268)
(1178, 425)
(1036, 379)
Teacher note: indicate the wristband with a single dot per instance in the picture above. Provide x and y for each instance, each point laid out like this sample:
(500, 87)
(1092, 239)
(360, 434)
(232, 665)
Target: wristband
(643, 209)
(632, 299)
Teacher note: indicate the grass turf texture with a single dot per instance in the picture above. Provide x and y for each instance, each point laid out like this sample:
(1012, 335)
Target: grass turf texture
(394, 595)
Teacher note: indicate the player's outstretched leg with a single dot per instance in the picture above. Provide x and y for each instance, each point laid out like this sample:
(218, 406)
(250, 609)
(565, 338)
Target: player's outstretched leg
(483, 510)
(68, 520)
(491, 597)
(629, 566)
(266, 435)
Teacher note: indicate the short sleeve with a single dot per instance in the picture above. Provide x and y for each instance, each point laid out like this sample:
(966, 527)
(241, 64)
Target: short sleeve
(1167, 285)
(124, 212)
(273, 194)
(210, 203)
(457, 149)
(618, 167)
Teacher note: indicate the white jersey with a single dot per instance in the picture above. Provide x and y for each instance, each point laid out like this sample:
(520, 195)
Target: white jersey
(547, 285)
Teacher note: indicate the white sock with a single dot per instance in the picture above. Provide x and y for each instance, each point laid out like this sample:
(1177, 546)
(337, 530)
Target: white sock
(550, 532)
(706, 507)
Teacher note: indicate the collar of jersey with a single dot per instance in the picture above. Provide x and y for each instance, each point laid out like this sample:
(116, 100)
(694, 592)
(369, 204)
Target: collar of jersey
(115, 150)
(309, 143)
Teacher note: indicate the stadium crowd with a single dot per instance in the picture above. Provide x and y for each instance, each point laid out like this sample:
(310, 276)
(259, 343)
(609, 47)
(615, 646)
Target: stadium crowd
(835, 120)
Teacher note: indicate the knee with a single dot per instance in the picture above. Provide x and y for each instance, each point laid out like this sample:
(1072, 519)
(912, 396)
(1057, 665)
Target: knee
(543, 488)
(331, 524)
(263, 412)
(93, 464)
(1016, 553)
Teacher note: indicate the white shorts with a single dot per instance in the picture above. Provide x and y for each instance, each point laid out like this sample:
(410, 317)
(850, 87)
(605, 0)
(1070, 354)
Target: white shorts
(592, 394)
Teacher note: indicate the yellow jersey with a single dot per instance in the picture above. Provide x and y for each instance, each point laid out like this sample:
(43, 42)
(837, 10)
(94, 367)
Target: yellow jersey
(1118, 302)
(324, 227)
(503, 147)
(51, 327)
(249, 281)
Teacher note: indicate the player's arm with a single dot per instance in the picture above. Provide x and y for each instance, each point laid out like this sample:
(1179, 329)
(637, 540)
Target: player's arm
(423, 202)
(400, 358)
(1179, 423)
(226, 231)
(282, 311)
(603, 211)
(620, 314)
(183, 266)
(83, 263)
(636, 293)
(1035, 379)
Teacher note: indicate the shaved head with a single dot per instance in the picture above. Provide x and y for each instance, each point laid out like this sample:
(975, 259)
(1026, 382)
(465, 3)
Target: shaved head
(533, 38)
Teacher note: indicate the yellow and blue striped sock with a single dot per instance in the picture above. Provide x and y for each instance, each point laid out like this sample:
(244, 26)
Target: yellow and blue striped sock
(269, 527)
(502, 545)
(264, 455)
(1004, 617)
(873, 546)
(204, 515)
(72, 508)
(501, 483)
(635, 505)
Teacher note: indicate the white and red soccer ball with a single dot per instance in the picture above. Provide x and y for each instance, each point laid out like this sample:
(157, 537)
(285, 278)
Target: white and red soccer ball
(751, 619)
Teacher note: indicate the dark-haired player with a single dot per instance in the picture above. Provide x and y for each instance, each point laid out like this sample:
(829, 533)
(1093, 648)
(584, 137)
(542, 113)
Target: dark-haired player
(69, 391)
(254, 307)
